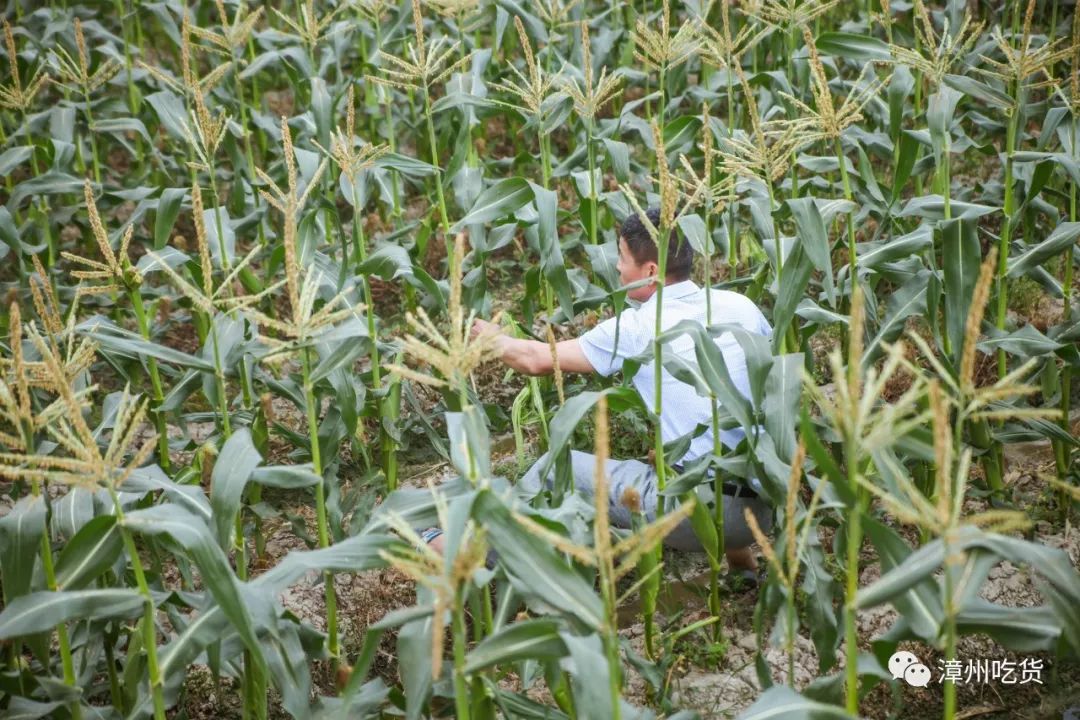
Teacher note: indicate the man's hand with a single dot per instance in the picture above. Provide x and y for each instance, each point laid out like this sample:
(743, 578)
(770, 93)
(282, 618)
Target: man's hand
(532, 357)
(482, 327)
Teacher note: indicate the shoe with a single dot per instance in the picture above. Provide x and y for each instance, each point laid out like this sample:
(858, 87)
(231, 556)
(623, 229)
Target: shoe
(429, 534)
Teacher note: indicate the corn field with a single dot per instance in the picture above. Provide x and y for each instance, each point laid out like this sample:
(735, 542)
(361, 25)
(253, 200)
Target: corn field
(244, 245)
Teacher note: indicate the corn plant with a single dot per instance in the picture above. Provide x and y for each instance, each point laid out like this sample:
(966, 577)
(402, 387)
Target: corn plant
(589, 96)
(76, 71)
(426, 65)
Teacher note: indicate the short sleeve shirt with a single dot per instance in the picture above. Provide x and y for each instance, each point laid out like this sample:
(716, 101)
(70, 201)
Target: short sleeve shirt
(634, 330)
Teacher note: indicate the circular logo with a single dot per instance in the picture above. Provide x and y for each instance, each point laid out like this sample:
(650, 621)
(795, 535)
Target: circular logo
(899, 662)
(917, 675)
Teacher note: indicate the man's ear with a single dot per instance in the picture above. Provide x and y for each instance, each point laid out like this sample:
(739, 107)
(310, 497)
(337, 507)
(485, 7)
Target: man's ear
(652, 269)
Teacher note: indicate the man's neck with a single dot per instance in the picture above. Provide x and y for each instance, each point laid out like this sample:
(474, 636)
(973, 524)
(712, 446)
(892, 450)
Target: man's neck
(667, 284)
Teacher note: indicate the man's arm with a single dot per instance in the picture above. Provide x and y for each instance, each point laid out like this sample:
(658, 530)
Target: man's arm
(532, 357)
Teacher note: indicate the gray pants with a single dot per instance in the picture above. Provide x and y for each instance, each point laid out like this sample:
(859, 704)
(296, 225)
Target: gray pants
(634, 473)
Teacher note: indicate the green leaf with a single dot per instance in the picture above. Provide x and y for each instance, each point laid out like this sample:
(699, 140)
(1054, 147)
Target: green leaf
(980, 91)
(392, 262)
(171, 113)
(564, 422)
(123, 342)
(680, 134)
(932, 207)
(9, 234)
(811, 231)
(1051, 563)
(757, 353)
(288, 477)
(783, 389)
(589, 675)
(782, 703)
(1062, 160)
(1025, 342)
(217, 575)
(120, 126)
(556, 108)
(365, 702)
(1067, 610)
(693, 228)
(686, 370)
(356, 554)
(343, 355)
(619, 155)
(322, 110)
(536, 570)
(289, 665)
(470, 444)
(21, 531)
(908, 300)
(1061, 239)
(866, 174)
(90, 553)
(796, 278)
(909, 153)
(42, 611)
(960, 259)
(209, 627)
(823, 459)
(293, 57)
(853, 46)
(232, 470)
(387, 262)
(225, 241)
(520, 706)
(149, 478)
(713, 370)
(166, 256)
(1031, 429)
(13, 158)
(940, 110)
(547, 240)
(52, 182)
(414, 658)
(21, 708)
(900, 87)
(1034, 185)
(535, 639)
(71, 512)
(820, 588)
(167, 210)
(504, 198)
(897, 248)
(1024, 629)
(407, 166)
(907, 580)
(468, 183)
(814, 313)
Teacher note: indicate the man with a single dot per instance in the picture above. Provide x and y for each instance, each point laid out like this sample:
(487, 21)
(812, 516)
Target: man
(596, 351)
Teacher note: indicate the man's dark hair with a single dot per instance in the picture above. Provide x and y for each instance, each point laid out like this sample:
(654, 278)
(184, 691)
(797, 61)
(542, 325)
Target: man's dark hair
(680, 259)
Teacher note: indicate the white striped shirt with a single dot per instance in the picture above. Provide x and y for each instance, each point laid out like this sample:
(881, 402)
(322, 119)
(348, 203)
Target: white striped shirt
(683, 408)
